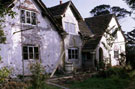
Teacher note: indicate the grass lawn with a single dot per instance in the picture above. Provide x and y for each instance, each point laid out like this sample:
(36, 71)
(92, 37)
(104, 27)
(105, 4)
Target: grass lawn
(101, 83)
(51, 87)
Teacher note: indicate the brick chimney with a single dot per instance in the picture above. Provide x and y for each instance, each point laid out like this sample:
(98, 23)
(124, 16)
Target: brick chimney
(60, 2)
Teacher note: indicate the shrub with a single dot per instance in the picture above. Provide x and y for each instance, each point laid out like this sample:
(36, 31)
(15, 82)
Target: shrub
(4, 74)
(113, 72)
(38, 76)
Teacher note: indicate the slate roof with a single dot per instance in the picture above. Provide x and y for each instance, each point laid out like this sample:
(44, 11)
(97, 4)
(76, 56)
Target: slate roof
(46, 12)
(97, 25)
(84, 29)
(91, 44)
(59, 9)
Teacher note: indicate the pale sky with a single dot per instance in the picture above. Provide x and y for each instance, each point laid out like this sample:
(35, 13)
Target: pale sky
(84, 6)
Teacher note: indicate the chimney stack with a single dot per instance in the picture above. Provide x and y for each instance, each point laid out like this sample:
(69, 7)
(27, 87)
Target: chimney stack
(60, 2)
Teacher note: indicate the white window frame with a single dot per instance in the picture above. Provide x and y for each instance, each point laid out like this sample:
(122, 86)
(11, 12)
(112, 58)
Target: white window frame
(73, 55)
(25, 12)
(28, 52)
(69, 28)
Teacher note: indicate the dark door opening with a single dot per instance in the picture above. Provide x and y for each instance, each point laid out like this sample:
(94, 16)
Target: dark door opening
(101, 63)
(86, 59)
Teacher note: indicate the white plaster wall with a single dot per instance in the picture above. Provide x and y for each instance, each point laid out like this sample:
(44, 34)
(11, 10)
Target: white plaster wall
(105, 51)
(50, 47)
(69, 17)
(119, 42)
(118, 45)
(72, 40)
(11, 52)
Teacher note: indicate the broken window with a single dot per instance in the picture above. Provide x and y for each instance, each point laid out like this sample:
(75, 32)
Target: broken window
(28, 17)
(73, 53)
(30, 52)
(116, 54)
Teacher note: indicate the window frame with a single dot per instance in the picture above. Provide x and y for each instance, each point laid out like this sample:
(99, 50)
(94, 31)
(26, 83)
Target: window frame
(69, 28)
(28, 52)
(26, 17)
(73, 53)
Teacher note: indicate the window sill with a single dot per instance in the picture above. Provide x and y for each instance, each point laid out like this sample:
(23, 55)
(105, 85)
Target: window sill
(72, 33)
(28, 24)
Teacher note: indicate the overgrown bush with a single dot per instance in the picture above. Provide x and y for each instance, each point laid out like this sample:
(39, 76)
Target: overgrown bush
(38, 76)
(113, 72)
(4, 74)
(14, 85)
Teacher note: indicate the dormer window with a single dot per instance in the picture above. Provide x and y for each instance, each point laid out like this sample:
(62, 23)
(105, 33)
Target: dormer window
(28, 17)
(70, 27)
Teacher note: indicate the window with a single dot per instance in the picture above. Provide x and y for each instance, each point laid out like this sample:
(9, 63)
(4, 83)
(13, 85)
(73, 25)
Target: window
(28, 17)
(73, 53)
(116, 54)
(69, 27)
(30, 52)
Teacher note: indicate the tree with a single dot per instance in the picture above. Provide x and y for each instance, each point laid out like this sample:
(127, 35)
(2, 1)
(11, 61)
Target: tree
(131, 3)
(107, 9)
(131, 37)
(130, 47)
(5, 10)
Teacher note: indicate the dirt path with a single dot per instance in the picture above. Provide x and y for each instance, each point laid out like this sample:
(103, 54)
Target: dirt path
(51, 82)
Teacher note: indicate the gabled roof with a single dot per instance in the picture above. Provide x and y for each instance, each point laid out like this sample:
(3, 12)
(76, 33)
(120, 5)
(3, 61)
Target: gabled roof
(84, 29)
(59, 10)
(98, 24)
(47, 13)
(91, 44)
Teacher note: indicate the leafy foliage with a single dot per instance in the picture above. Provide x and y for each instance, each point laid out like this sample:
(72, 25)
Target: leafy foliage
(38, 76)
(4, 73)
(5, 10)
(131, 37)
(130, 47)
(131, 3)
(107, 9)
(111, 72)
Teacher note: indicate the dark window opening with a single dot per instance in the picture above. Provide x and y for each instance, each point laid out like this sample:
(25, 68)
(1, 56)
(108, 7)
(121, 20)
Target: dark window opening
(30, 52)
(73, 53)
(116, 54)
